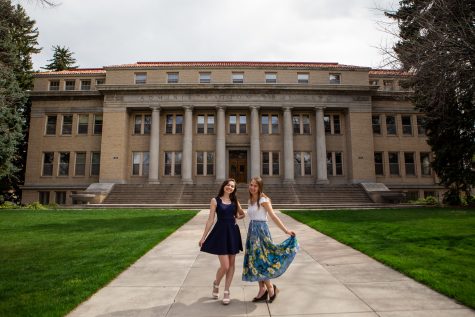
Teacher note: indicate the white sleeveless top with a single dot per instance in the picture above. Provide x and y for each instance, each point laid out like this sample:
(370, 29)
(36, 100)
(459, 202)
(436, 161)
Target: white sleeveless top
(256, 213)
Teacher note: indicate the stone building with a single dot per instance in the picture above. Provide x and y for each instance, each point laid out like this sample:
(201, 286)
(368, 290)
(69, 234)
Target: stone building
(201, 122)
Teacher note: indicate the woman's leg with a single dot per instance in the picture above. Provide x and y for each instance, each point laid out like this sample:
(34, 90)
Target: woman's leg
(230, 271)
(223, 268)
(270, 287)
(262, 289)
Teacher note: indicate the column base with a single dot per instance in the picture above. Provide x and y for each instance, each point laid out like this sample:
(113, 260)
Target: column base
(288, 181)
(219, 181)
(322, 182)
(187, 181)
(154, 181)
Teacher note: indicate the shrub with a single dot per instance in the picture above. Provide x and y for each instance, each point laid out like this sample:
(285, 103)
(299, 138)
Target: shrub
(9, 205)
(452, 198)
(429, 201)
(35, 205)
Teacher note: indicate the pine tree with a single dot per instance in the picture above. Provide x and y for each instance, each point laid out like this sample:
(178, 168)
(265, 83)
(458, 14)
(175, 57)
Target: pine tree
(18, 41)
(437, 44)
(62, 59)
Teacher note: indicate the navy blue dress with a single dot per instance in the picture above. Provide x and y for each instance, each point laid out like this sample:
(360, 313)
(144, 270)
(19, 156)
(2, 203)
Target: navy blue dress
(225, 237)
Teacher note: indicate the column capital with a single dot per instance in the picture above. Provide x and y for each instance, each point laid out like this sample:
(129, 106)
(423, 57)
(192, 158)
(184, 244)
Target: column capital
(287, 108)
(317, 108)
(220, 107)
(188, 108)
(252, 107)
(155, 108)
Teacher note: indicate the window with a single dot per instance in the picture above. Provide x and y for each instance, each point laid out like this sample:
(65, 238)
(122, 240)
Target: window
(86, 84)
(174, 124)
(271, 78)
(378, 163)
(100, 81)
(412, 196)
(60, 198)
(388, 85)
(48, 158)
(270, 163)
(421, 131)
(51, 125)
(172, 163)
(204, 163)
(80, 165)
(336, 124)
(172, 78)
(374, 82)
(393, 163)
(376, 122)
(98, 124)
(233, 121)
(67, 126)
(334, 78)
(69, 84)
(238, 78)
(54, 85)
(205, 78)
(43, 198)
(334, 163)
(269, 123)
(205, 124)
(95, 163)
(409, 164)
(430, 193)
(391, 125)
(140, 78)
(142, 124)
(406, 125)
(425, 164)
(140, 163)
(210, 124)
(63, 164)
(301, 124)
(302, 78)
(302, 164)
(327, 124)
(83, 123)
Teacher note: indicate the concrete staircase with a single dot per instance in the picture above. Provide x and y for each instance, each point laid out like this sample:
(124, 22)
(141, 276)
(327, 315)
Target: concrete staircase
(198, 196)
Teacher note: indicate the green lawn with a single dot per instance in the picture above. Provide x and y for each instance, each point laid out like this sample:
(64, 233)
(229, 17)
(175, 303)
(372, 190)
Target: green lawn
(432, 245)
(50, 261)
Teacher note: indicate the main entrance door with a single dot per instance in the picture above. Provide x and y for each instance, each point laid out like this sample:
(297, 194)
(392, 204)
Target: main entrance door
(238, 166)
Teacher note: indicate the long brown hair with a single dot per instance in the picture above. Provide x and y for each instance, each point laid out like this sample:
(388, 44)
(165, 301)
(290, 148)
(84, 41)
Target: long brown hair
(260, 189)
(233, 195)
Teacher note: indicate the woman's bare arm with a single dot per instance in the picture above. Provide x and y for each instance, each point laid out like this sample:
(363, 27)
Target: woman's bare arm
(268, 207)
(240, 211)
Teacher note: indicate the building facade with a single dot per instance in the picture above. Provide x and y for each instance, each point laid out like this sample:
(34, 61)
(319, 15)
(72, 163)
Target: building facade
(202, 122)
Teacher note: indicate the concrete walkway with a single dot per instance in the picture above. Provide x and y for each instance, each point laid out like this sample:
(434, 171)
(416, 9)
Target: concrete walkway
(326, 278)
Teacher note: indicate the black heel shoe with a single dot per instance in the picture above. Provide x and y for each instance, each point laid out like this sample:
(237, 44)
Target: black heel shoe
(276, 290)
(263, 298)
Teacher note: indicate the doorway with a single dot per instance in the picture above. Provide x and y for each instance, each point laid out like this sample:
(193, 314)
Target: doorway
(238, 165)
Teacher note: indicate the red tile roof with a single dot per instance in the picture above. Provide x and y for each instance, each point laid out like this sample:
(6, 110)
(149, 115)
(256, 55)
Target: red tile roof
(389, 72)
(77, 71)
(237, 64)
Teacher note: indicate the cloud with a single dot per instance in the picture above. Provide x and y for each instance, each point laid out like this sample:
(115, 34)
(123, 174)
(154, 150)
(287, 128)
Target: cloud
(158, 30)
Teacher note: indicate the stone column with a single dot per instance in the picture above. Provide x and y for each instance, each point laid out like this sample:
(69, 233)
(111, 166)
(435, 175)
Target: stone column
(321, 148)
(153, 174)
(187, 152)
(255, 144)
(288, 147)
(220, 145)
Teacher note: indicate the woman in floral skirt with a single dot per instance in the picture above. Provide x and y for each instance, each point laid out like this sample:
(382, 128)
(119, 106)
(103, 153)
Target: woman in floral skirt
(263, 259)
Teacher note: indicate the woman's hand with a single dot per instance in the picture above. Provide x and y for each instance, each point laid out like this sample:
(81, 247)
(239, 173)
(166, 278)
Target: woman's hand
(290, 232)
(201, 242)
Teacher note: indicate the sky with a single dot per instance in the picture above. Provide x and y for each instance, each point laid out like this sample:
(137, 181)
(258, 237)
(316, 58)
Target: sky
(111, 32)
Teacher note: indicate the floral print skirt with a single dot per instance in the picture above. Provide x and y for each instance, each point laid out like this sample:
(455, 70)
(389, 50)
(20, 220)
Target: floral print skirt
(263, 259)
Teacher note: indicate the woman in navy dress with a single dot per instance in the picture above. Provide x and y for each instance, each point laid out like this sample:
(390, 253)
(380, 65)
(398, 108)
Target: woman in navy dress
(224, 240)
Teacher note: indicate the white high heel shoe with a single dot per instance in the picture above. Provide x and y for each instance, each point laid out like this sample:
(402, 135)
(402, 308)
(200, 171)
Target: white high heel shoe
(226, 300)
(215, 292)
